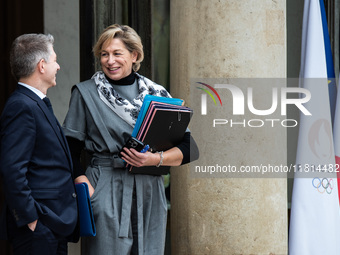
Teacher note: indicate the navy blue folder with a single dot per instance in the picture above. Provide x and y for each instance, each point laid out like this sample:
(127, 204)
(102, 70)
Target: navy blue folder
(86, 220)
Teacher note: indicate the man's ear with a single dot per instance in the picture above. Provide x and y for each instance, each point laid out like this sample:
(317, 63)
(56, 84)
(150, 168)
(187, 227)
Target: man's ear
(41, 66)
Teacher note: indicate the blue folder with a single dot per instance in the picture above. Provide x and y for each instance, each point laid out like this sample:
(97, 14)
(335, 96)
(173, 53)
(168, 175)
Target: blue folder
(86, 219)
(145, 106)
(163, 127)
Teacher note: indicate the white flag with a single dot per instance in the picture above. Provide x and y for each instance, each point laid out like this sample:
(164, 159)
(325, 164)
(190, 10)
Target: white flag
(315, 219)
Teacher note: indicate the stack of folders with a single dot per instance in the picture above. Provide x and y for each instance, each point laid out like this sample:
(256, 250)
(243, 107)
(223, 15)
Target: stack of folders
(86, 219)
(161, 124)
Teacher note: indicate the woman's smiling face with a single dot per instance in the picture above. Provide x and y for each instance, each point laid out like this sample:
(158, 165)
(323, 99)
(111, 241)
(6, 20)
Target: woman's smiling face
(115, 59)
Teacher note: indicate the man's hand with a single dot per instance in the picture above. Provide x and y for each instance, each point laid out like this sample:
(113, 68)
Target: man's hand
(32, 225)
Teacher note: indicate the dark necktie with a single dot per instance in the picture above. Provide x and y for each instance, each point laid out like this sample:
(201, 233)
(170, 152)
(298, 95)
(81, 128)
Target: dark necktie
(49, 106)
(48, 103)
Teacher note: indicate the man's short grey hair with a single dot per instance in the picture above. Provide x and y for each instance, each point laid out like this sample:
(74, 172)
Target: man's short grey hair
(26, 52)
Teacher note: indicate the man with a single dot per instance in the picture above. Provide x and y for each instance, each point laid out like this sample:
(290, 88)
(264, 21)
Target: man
(35, 163)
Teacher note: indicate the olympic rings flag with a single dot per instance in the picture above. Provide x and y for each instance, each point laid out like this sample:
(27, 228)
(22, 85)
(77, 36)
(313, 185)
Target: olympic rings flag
(315, 218)
(337, 136)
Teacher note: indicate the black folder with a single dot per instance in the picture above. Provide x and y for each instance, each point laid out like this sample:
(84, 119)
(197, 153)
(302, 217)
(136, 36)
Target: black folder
(86, 219)
(163, 127)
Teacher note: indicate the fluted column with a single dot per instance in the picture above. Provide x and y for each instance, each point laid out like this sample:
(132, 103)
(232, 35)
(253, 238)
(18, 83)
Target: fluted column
(229, 39)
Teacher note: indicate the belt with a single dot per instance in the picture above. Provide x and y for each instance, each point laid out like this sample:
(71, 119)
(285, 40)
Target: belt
(113, 161)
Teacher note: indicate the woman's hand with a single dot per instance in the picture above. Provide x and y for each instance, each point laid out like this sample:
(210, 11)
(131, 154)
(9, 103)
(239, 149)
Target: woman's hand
(138, 159)
(83, 178)
(171, 157)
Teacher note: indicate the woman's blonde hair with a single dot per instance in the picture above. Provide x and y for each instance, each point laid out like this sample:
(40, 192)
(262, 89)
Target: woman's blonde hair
(129, 37)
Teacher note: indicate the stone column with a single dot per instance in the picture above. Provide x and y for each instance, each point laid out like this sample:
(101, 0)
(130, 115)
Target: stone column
(233, 39)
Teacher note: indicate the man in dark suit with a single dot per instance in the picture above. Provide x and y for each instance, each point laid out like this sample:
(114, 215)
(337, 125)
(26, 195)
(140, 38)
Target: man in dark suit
(35, 162)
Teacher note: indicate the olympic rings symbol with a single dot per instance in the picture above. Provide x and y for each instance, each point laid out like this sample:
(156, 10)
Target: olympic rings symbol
(324, 185)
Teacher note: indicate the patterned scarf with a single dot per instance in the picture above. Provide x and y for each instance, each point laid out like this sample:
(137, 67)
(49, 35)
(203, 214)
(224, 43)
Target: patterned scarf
(125, 109)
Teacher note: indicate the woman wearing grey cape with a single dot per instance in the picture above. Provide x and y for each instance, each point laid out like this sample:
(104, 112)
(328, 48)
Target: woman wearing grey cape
(130, 210)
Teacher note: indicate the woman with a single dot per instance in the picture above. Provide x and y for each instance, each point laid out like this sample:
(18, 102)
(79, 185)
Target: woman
(130, 210)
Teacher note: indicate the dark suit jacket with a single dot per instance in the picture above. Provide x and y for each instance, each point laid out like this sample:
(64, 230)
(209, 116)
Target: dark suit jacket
(36, 166)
